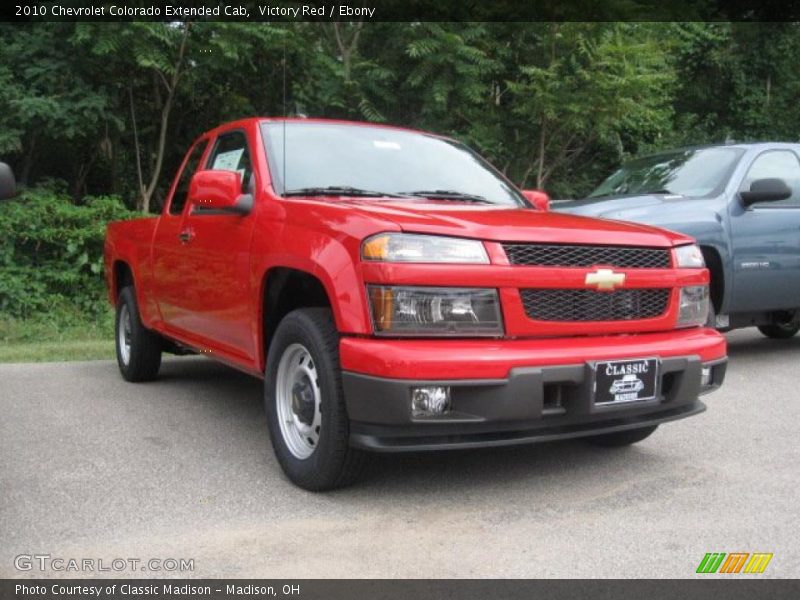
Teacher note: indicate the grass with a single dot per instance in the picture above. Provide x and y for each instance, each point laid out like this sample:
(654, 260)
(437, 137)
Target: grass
(61, 350)
(57, 336)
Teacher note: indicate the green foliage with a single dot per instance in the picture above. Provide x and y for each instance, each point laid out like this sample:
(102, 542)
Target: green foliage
(556, 105)
(588, 89)
(553, 105)
(58, 350)
(451, 66)
(738, 81)
(51, 254)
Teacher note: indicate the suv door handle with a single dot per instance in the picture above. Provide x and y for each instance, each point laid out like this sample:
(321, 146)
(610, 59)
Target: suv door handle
(186, 236)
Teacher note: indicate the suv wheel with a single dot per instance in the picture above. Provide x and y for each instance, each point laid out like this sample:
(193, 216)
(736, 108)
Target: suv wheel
(780, 330)
(138, 348)
(622, 438)
(306, 414)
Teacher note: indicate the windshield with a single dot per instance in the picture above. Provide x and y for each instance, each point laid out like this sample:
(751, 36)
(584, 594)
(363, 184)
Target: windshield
(694, 173)
(356, 160)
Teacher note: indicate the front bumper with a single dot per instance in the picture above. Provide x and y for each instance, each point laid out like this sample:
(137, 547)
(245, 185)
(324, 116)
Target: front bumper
(529, 402)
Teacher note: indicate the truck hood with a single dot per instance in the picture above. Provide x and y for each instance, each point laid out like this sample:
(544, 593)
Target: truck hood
(509, 224)
(625, 207)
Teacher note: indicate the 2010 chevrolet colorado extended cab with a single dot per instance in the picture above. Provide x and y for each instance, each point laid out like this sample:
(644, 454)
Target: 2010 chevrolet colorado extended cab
(397, 293)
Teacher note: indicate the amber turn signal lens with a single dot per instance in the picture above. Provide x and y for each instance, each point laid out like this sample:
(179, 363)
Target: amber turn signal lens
(376, 248)
(381, 299)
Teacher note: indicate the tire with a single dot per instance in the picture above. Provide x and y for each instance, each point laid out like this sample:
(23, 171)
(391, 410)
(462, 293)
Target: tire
(306, 413)
(138, 348)
(780, 331)
(622, 438)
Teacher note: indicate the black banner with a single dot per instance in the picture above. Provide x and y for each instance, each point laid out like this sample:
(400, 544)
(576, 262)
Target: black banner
(401, 10)
(733, 588)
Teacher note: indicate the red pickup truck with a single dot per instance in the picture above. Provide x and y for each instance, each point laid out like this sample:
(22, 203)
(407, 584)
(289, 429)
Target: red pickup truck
(397, 293)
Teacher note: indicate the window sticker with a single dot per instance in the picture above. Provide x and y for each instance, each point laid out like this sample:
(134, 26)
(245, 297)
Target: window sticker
(228, 161)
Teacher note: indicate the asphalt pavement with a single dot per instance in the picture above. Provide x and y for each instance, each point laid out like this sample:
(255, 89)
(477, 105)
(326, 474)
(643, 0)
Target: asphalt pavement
(95, 468)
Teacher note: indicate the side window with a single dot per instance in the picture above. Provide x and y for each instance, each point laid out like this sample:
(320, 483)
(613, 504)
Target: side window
(780, 164)
(182, 189)
(231, 154)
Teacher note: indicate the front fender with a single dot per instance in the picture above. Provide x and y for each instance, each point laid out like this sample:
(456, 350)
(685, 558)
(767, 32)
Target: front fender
(710, 230)
(328, 259)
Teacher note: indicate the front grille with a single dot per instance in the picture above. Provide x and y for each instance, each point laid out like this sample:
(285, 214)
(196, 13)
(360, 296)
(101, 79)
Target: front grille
(591, 305)
(559, 255)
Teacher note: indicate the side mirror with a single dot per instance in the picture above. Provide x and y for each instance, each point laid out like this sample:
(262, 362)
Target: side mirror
(766, 190)
(538, 198)
(219, 192)
(8, 185)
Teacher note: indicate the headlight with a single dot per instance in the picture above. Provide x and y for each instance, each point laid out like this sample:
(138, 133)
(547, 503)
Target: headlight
(408, 247)
(435, 311)
(694, 306)
(689, 257)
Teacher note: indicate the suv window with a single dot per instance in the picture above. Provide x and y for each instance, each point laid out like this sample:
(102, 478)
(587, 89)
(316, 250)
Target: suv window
(182, 189)
(780, 164)
(231, 154)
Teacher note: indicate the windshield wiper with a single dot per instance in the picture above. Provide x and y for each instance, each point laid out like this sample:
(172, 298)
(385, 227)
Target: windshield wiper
(449, 195)
(658, 192)
(339, 190)
(662, 192)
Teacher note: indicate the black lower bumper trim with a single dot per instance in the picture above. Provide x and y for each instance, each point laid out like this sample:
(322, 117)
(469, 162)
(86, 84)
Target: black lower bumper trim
(532, 404)
(374, 439)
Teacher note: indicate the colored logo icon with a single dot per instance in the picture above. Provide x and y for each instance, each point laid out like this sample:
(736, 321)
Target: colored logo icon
(735, 562)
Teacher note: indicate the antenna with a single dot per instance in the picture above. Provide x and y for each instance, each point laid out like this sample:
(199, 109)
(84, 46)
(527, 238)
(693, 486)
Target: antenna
(284, 111)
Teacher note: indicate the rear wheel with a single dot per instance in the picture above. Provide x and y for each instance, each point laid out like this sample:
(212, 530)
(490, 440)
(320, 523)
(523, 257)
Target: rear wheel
(306, 414)
(622, 438)
(138, 348)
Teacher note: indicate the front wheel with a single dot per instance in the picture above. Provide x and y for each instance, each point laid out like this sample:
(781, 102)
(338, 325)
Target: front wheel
(622, 438)
(306, 414)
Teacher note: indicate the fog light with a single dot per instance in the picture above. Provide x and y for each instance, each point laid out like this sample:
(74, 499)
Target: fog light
(430, 401)
(705, 376)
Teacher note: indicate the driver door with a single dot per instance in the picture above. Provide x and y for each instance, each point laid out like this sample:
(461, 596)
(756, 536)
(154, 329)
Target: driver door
(766, 239)
(212, 304)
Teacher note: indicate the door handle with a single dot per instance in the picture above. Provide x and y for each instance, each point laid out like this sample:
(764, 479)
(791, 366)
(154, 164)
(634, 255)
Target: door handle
(186, 236)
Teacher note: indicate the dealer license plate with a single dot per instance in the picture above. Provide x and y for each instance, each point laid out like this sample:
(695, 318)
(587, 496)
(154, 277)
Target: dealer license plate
(619, 381)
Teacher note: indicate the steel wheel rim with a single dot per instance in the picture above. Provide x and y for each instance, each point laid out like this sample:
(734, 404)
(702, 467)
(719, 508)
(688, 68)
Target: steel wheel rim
(298, 401)
(124, 335)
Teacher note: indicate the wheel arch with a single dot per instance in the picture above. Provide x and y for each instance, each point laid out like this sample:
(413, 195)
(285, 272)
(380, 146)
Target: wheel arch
(284, 289)
(122, 276)
(714, 263)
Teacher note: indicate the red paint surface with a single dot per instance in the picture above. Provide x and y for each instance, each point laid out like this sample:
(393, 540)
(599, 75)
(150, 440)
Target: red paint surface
(474, 359)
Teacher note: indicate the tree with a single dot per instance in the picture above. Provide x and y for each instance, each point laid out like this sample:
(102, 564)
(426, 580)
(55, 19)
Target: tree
(47, 95)
(452, 71)
(588, 86)
(738, 81)
(144, 51)
(112, 107)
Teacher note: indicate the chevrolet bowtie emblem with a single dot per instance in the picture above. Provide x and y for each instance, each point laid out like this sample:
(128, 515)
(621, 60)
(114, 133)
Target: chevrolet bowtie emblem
(605, 279)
